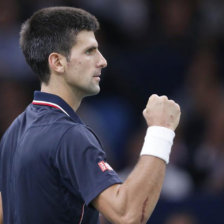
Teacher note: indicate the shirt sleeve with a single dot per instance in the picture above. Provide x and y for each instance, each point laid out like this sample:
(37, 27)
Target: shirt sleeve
(82, 161)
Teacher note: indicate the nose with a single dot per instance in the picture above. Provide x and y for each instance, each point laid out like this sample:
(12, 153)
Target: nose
(102, 62)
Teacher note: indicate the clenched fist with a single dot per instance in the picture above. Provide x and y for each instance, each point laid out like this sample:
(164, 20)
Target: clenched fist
(160, 111)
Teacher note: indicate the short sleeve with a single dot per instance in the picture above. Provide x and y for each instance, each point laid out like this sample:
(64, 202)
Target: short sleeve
(80, 159)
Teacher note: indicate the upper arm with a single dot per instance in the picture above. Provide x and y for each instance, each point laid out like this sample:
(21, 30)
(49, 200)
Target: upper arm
(106, 203)
(1, 210)
(114, 204)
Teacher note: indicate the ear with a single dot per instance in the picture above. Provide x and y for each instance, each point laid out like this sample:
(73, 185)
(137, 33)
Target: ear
(57, 62)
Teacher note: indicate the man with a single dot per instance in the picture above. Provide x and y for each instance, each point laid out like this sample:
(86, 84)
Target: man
(52, 166)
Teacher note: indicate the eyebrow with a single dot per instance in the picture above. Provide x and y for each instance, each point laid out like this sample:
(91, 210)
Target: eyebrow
(90, 48)
(92, 44)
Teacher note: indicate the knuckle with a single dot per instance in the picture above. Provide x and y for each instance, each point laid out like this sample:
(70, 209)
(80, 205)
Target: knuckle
(164, 97)
(178, 107)
(145, 112)
(153, 96)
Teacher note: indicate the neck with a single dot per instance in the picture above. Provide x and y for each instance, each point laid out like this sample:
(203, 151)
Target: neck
(71, 98)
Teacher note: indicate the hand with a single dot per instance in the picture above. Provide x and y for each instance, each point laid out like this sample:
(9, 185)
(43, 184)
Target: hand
(160, 111)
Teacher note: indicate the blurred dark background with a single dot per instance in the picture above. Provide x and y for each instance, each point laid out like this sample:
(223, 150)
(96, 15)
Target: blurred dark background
(168, 47)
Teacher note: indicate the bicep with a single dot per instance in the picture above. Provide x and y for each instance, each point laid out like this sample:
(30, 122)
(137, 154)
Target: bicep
(107, 204)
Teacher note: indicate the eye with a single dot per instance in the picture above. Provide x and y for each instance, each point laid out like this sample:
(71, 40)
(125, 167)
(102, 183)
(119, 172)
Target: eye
(90, 51)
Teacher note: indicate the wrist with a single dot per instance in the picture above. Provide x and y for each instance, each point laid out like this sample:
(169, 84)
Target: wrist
(158, 142)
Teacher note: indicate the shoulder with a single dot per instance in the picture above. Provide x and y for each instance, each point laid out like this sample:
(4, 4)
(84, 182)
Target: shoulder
(14, 128)
(80, 134)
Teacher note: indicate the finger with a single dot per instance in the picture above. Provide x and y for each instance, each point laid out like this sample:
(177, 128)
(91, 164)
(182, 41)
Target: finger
(178, 107)
(144, 112)
(164, 97)
(172, 101)
(153, 97)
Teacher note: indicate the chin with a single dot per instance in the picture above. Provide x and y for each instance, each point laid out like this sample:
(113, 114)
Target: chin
(93, 92)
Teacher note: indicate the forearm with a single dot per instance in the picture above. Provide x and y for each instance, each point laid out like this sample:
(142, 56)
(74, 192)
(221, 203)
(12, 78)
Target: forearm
(143, 188)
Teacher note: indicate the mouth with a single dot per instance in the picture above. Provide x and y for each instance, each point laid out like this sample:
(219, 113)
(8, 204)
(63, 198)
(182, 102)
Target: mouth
(97, 75)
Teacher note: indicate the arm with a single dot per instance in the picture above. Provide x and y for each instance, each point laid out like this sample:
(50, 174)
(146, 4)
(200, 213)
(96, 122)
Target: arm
(134, 200)
(1, 210)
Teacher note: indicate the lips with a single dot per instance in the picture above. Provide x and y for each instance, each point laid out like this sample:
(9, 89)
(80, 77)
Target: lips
(98, 75)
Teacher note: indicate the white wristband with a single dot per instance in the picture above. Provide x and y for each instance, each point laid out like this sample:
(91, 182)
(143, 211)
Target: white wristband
(158, 142)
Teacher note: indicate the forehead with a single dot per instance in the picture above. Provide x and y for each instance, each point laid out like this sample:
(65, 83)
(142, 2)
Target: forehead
(85, 39)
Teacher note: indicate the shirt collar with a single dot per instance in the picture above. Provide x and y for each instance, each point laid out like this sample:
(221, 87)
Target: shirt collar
(51, 100)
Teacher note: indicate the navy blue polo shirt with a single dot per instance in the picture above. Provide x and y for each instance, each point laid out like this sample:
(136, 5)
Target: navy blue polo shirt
(51, 166)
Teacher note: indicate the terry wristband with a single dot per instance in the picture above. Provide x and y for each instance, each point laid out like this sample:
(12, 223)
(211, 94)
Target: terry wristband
(158, 142)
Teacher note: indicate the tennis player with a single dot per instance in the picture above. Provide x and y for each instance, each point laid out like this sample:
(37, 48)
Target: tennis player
(53, 169)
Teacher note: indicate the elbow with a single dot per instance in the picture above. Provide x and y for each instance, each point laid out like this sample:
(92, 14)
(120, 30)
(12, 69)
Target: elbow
(134, 218)
(133, 215)
(137, 215)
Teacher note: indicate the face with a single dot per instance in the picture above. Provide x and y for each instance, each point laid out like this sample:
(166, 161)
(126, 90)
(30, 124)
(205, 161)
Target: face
(83, 69)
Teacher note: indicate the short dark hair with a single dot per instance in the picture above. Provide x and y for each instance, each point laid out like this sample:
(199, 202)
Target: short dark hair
(52, 29)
